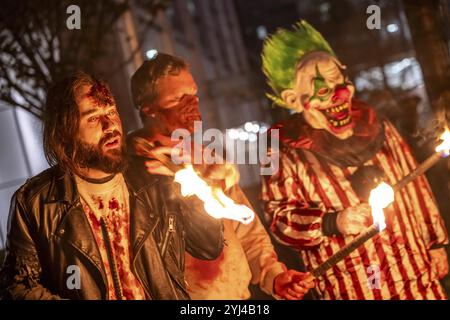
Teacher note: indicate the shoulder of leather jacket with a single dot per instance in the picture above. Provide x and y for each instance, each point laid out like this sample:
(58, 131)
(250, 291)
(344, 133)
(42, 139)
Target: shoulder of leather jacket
(40, 184)
(137, 177)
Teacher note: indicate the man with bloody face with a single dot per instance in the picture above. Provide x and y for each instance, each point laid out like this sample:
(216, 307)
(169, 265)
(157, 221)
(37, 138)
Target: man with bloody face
(166, 94)
(333, 150)
(91, 226)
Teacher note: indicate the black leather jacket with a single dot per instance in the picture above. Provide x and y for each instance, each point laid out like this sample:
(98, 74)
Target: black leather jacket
(48, 232)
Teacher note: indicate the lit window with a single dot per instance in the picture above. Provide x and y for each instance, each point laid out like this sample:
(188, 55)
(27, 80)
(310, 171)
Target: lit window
(151, 54)
(261, 32)
(391, 28)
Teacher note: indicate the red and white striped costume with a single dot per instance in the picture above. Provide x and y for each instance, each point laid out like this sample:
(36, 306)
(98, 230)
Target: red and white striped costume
(306, 187)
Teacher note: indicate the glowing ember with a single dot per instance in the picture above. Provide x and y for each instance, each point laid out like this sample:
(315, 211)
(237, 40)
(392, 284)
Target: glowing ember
(380, 198)
(444, 147)
(216, 203)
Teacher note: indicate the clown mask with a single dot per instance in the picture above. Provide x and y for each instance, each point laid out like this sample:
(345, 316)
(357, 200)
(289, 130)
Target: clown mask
(322, 92)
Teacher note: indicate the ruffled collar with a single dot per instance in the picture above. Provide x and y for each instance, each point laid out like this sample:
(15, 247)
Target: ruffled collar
(367, 138)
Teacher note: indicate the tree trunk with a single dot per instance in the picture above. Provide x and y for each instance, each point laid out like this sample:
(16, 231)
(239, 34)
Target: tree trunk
(426, 22)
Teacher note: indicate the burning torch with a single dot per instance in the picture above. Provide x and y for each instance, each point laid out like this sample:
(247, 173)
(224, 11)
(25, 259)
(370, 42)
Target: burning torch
(442, 151)
(380, 198)
(216, 203)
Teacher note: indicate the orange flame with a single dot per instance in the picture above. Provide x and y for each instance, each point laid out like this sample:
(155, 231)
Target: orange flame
(380, 197)
(444, 147)
(216, 203)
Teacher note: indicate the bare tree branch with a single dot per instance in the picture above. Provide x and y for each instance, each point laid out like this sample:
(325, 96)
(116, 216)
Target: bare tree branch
(38, 48)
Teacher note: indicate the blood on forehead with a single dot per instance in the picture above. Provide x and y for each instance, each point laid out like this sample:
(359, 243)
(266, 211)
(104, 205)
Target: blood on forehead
(100, 94)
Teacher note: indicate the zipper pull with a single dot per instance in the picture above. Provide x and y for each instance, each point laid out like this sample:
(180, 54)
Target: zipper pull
(171, 224)
(170, 230)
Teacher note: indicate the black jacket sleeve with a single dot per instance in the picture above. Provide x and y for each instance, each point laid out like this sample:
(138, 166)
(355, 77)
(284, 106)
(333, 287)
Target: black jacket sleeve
(21, 272)
(203, 233)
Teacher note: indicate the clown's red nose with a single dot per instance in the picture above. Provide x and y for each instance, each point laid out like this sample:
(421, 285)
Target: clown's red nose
(341, 94)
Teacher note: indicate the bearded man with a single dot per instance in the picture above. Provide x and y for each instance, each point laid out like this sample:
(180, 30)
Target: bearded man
(91, 227)
(332, 148)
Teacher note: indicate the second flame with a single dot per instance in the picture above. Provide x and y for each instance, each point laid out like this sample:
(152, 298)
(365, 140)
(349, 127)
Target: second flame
(444, 147)
(380, 198)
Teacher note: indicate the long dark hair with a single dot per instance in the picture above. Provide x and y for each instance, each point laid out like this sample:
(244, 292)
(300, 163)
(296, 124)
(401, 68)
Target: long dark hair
(61, 116)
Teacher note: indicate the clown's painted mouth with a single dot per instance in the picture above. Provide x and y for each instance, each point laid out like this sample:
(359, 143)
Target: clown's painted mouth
(338, 116)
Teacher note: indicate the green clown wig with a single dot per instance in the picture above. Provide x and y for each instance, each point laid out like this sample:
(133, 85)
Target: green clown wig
(282, 52)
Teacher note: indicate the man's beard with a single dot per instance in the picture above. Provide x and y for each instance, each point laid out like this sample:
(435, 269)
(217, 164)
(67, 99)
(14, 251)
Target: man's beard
(93, 157)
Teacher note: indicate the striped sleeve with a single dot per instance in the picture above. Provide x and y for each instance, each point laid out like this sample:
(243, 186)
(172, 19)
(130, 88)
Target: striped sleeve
(293, 220)
(426, 211)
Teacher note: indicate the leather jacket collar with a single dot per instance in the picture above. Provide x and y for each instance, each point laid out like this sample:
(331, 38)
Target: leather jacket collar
(63, 187)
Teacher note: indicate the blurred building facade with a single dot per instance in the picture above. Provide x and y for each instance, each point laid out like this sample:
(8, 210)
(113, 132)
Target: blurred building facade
(22, 156)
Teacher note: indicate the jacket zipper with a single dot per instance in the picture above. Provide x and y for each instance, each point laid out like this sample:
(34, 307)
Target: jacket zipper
(168, 235)
(112, 264)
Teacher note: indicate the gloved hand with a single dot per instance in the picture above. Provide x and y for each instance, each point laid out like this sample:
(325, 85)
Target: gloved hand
(354, 220)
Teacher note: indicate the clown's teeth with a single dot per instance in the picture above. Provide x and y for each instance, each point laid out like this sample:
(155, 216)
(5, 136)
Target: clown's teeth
(345, 121)
(337, 109)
